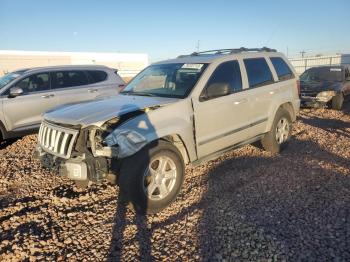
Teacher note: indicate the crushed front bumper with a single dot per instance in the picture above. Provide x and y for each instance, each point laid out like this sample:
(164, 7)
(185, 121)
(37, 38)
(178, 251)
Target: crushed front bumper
(80, 168)
(307, 101)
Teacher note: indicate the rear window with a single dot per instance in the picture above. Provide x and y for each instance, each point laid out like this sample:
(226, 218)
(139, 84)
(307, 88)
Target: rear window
(282, 69)
(96, 76)
(69, 79)
(258, 72)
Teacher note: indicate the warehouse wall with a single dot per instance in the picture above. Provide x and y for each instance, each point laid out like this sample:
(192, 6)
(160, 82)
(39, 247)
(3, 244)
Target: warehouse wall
(128, 65)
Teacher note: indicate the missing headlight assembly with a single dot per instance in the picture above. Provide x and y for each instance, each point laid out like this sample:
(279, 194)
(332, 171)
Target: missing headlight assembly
(111, 142)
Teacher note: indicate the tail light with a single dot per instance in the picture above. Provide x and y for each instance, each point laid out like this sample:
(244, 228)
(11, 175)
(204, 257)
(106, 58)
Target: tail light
(121, 87)
(298, 87)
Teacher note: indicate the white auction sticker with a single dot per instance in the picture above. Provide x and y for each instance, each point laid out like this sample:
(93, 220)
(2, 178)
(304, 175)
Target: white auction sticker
(192, 66)
(335, 69)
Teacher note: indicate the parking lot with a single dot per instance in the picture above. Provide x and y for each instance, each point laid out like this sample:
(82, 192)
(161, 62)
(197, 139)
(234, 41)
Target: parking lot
(245, 205)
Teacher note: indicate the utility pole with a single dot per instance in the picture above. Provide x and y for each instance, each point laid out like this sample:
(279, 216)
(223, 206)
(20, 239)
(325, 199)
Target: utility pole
(302, 54)
(197, 45)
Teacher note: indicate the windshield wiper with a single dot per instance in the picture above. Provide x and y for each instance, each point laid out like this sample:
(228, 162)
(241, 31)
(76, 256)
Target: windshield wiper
(137, 93)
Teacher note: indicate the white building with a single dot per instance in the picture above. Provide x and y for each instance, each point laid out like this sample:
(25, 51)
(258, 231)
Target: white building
(128, 65)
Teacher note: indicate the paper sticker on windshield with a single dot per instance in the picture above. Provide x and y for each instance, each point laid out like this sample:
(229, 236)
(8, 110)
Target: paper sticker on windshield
(335, 69)
(192, 66)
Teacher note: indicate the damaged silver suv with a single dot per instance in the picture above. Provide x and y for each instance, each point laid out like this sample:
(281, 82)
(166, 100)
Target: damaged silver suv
(173, 113)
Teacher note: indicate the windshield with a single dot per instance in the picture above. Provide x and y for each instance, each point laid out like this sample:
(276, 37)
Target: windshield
(333, 74)
(166, 80)
(9, 77)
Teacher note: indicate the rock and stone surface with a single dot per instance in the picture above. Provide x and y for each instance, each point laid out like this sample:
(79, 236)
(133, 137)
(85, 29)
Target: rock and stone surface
(247, 205)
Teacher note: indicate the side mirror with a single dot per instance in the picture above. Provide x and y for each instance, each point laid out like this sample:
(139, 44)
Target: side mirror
(216, 90)
(15, 91)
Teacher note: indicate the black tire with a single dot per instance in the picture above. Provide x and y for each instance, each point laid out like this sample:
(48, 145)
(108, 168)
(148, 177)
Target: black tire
(337, 101)
(269, 141)
(132, 177)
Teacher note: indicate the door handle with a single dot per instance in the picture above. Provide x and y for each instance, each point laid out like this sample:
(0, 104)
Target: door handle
(91, 90)
(47, 96)
(240, 101)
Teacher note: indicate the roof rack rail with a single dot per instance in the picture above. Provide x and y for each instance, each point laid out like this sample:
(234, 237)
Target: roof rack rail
(231, 51)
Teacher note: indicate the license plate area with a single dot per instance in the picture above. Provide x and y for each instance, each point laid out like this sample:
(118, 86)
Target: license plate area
(74, 170)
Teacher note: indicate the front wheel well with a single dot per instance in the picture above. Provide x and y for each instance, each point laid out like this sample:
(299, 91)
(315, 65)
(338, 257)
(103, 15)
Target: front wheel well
(178, 142)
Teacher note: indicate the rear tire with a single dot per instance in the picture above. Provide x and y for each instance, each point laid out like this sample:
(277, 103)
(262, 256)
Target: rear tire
(337, 101)
(152, 178)
(277, 139)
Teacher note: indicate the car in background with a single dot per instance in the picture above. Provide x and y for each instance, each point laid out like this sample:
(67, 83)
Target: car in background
(26, 94)
(325, 85)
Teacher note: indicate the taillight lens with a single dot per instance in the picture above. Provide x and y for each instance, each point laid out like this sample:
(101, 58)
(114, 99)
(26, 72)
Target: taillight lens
(298, 87)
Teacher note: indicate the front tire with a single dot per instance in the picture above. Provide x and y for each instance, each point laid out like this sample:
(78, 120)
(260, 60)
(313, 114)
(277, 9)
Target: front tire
(337, 101)
(277, 139)
(152, 178)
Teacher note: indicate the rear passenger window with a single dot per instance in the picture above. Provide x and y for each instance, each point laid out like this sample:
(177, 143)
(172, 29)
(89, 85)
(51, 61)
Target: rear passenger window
(282, 69)
(230, 73)
(258, 72)
(69, 79)
(96, 76)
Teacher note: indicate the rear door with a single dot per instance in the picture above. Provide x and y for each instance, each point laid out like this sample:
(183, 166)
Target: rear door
(261, 91)
(104, 83)
(25, 111)
(73, 86)
(222, 122)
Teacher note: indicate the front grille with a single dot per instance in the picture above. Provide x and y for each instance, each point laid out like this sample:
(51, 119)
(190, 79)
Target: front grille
(57, 140)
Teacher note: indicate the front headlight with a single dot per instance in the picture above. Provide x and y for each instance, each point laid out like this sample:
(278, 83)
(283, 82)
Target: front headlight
(128, 141)
(326, 94)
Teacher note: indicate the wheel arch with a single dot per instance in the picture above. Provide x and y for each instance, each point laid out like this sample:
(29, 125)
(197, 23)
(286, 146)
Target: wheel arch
(177, 141)
(288, 106)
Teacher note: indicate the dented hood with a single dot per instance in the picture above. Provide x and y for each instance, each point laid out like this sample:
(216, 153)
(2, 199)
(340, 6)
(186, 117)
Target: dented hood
(98, 112)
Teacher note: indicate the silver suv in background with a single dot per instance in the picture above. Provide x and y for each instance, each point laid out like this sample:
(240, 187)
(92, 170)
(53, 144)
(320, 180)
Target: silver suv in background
(26, 94)
(173, 113)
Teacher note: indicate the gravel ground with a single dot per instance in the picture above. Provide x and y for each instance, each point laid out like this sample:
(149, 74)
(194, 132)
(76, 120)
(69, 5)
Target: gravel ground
(248, 205)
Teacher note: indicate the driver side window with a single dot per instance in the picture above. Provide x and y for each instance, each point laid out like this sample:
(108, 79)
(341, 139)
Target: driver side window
(227, 73)
(35, 83)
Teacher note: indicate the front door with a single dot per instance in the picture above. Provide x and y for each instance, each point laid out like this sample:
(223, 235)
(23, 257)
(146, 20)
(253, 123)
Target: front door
(222, 121)
(26, 109)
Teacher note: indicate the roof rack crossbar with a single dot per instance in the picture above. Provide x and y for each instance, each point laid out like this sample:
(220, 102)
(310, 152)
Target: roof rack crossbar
(232, 51)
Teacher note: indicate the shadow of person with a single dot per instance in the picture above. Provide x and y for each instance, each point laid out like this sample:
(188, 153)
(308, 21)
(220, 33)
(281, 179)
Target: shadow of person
(127, 209)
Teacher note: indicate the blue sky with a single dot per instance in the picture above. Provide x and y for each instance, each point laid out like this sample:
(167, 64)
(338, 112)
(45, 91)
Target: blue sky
(165, 29)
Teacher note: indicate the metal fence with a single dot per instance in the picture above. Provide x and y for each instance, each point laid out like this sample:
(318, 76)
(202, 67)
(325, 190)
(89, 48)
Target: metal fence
(301, 64)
